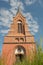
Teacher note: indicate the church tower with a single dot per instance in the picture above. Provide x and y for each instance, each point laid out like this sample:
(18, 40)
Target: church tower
(19, 42)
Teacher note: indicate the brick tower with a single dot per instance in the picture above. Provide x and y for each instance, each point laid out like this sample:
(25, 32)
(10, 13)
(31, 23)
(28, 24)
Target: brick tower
(19, 42)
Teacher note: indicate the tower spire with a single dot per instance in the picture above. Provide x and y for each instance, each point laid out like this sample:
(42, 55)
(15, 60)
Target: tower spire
(19, 6)
(19, 9)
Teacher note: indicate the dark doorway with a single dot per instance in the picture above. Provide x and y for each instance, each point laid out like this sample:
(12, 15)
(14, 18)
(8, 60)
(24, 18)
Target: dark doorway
(19, 57)
(20, 53)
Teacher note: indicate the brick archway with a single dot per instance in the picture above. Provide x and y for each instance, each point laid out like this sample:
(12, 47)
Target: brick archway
(20, 53)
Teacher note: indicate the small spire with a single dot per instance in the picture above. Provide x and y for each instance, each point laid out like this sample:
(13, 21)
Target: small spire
(19, 9)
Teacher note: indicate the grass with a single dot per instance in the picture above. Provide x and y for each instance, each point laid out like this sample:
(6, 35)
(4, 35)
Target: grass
(38, 59)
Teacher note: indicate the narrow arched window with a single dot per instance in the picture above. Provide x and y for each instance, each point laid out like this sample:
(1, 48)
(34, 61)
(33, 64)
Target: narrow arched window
(19, 27)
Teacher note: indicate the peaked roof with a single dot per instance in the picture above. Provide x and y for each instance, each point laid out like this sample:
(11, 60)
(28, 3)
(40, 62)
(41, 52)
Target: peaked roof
(19, 11)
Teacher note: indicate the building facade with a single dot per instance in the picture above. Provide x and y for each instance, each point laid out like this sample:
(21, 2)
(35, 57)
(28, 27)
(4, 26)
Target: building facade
(19, 42)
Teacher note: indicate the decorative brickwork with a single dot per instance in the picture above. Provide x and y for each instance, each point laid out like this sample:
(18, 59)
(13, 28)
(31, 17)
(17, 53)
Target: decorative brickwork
(18, 42)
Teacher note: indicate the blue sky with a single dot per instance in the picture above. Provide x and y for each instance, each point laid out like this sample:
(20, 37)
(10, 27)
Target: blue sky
(31, 9)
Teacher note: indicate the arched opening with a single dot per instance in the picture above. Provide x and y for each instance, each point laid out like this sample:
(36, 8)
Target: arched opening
(21, 39)
(20, 53)
(19, 26)
(17, 39)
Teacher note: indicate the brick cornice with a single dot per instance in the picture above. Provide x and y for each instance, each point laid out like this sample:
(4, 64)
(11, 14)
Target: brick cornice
(19, 43)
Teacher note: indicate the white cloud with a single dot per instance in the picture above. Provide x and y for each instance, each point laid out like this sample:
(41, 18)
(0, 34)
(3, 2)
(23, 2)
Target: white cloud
(6, 0)
(14, 3)
(4, 31)
(32, 24)
(14, 6)
(5, 20)
(13, 11)
(29, 2)
(7, 16)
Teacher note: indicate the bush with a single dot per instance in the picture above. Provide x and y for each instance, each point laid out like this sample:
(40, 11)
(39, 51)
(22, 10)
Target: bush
(38, 59)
